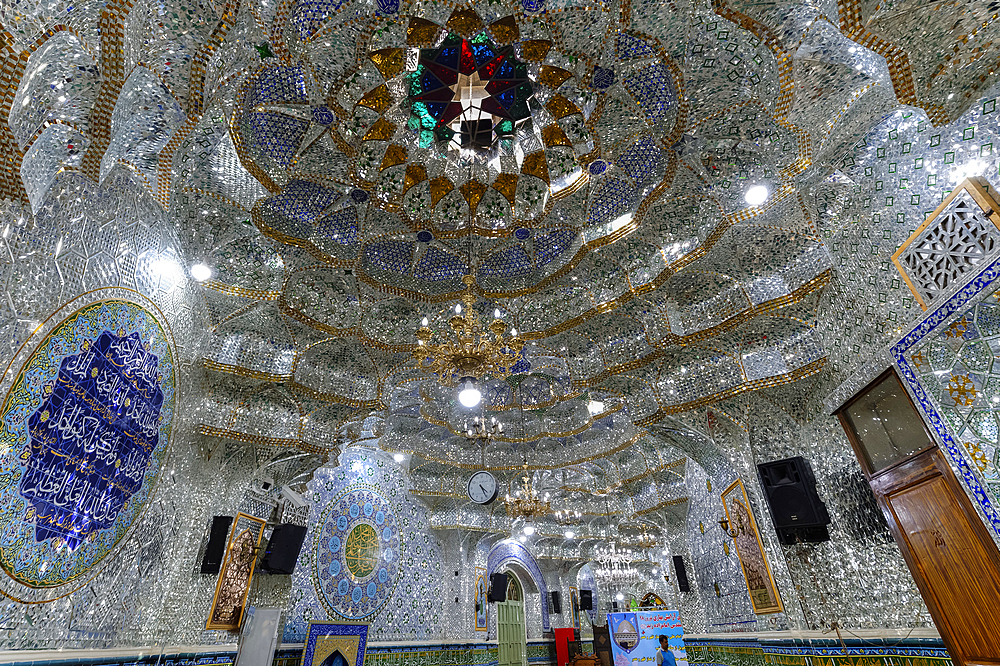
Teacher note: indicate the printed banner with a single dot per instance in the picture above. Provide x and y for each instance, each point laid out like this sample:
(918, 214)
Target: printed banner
(635, 637)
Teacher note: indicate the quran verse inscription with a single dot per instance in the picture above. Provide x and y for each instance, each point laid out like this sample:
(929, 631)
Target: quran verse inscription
(84, 433)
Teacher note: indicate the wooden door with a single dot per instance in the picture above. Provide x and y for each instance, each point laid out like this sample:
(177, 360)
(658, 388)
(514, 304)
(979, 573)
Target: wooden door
(952, 558)
(511, 635)
(954, 562)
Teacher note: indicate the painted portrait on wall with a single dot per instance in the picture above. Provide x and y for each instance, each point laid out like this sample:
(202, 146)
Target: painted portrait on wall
(85, 427)
(574, 605)
(750, 550)
(481, 607)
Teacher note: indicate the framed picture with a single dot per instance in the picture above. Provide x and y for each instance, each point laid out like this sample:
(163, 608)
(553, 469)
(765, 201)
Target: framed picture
(335, 644)
(237, 571)
(481, 609)
(750, 550)
(574, 606)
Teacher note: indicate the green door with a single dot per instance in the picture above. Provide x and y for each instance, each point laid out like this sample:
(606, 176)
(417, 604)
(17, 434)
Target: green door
(510, 626)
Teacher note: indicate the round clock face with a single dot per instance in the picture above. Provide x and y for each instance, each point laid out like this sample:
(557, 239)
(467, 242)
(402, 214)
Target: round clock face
(482, 488)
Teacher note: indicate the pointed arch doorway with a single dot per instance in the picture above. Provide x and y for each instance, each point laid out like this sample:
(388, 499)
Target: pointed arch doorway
(511, 632)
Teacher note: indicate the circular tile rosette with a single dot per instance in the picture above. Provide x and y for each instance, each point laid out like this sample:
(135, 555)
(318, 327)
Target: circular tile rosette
(84, 434)
(356, 566)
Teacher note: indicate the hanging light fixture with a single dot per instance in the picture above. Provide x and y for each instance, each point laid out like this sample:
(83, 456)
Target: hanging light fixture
(468, 392)
(472, 350)
(525, 503)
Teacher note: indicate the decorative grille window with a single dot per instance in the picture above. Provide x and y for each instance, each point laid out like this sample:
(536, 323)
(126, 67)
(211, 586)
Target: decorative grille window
(960, 234)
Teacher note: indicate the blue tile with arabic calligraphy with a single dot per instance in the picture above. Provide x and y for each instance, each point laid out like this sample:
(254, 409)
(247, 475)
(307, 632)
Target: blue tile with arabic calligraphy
(89, 418)
(92, 437)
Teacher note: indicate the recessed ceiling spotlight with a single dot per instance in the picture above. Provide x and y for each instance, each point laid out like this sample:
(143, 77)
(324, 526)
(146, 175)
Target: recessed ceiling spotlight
(529, 529)
(595, 407)
(756, 195)
(201, 272)
(568, 534)
(619, 596)
(398, 457)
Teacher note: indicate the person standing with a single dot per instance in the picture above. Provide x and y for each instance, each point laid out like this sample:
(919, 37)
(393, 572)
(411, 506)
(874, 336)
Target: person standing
(664, 656)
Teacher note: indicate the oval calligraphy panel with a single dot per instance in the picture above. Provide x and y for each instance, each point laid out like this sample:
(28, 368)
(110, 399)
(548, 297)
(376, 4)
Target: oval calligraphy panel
(84, 433)
(357, 553)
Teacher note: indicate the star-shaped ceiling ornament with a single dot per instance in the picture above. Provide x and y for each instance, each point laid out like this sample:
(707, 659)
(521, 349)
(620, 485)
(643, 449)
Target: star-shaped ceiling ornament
(468, 92)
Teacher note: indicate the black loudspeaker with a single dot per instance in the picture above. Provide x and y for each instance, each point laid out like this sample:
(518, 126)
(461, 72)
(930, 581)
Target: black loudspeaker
(602, 639)
(797, 511)
(216, 548)
(498, 588)
(586, 600)
(283, 549)
(682, 574)
(556, 602)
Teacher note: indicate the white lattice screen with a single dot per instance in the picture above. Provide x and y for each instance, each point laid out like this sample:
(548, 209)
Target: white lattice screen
(953, 240)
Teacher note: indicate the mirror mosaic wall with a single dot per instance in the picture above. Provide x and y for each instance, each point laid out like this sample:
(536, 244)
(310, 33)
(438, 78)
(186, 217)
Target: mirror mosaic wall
(222, 224)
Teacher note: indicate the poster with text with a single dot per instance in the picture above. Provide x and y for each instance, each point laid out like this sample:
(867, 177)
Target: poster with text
(635, 637)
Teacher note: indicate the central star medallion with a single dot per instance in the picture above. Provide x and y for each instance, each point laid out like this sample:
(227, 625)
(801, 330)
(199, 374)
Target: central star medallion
(468, 93)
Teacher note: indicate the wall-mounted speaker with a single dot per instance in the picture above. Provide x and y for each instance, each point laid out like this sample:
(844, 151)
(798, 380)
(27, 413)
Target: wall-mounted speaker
(682, 575)
(216, 548)
(586, 600)
(283, 549)
(796, 509)
(498, 588)
(556, 606)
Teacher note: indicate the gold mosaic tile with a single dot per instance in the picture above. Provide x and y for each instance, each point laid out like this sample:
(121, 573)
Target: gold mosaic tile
(378, 99)
(505, 30)
(393, 155)
(464, 22)
(535, 165)
(421, 32)
(390, 62)
(381, 130)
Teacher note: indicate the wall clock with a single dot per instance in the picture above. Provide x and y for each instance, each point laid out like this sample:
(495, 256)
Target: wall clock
(482, 488)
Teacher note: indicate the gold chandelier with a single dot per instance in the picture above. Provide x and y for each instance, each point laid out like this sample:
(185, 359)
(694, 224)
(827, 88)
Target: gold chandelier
(471, 352)
(526, 503)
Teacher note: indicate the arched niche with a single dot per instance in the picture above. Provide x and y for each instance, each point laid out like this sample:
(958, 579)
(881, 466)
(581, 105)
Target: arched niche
(512, 556)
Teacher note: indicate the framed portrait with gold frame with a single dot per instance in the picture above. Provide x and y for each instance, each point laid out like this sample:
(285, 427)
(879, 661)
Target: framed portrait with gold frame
(750, 550)
(233, 585)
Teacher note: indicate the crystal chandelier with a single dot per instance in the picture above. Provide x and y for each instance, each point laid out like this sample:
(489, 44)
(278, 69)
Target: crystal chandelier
(472, 351)
(644, 540)
(615, 567)
(482, 432)
(567, 516)
(525, 503)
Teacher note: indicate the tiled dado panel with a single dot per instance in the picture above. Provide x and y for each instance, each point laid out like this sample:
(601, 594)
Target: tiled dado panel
(475, 654)
(816, 653)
